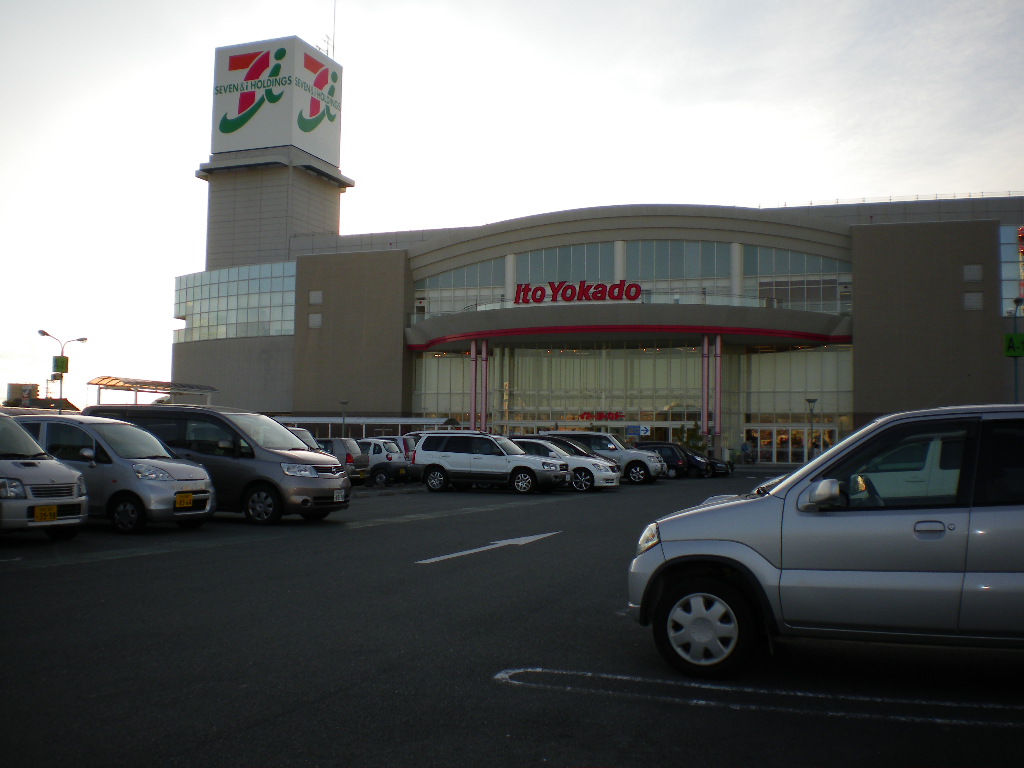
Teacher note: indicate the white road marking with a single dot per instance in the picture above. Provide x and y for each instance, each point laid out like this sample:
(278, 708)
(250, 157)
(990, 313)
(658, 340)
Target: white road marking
(737, 697)
(493, 545)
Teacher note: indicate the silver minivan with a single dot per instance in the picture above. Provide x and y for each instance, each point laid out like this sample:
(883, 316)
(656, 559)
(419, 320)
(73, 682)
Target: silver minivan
(911, 529)
(131, 478)
(258, 467)
(36, 490)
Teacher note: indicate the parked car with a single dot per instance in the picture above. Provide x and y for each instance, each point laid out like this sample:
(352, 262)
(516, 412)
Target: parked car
(466, 457)
(36, 490)
(306, 437)
(131, 477)
(716, 465)
(588, 473)
(638, 466)
(677, 461)
(387, 461)
(911, 529)
(347, 451)
(258, 467)
(573, 448)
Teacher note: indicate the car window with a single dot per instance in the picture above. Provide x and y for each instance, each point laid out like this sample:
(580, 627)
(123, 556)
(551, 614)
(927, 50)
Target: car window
(459, 444)
(432, 443)
(484, 446)
(508, 447)
(131, 442)
(392, 447)
(209, 438)
(15, 443)
(65, 441)
(1001, 465)
(534, 449)
(907, 466)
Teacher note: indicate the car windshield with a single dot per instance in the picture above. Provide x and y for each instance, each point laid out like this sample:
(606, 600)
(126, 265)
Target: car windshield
(556, 449)
(16, 443)
(574, 449)
(131, 442)
(618, 446)
(266, 432)
(509, 447)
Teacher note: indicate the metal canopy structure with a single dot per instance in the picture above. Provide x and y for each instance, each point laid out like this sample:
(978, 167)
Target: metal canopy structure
(150, 387)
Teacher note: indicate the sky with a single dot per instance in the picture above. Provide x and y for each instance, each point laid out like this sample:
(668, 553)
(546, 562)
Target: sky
(466, 112)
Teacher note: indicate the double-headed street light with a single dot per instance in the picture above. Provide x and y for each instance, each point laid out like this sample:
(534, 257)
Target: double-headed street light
(60, 365)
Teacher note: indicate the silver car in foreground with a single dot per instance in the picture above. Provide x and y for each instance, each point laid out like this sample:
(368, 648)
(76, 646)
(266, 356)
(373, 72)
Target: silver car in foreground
(911, 529)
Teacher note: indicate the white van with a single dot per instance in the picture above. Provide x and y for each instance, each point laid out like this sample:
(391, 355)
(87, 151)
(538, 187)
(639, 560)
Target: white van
(36, 490)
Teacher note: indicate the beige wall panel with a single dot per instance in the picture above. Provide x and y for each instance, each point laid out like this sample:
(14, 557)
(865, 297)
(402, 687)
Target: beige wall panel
(915, 343)
(247, 373)
(359, 353)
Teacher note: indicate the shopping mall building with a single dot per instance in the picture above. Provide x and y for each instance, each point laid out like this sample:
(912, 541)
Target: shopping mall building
(637, 319)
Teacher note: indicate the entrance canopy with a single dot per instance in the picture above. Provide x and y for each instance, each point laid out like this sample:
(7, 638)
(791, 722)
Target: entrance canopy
(150, 387)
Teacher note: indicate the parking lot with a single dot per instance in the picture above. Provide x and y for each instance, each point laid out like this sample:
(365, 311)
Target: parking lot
(470, 628)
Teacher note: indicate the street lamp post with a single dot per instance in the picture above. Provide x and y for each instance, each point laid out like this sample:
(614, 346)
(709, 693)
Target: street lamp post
(810, 434)
(61, 362)
(343, 404)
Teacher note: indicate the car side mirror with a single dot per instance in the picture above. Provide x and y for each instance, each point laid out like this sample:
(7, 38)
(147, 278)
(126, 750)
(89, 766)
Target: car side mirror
(89, 455)
(819, 494)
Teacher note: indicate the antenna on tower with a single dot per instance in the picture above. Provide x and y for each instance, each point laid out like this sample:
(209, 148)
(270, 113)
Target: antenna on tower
(328, 41)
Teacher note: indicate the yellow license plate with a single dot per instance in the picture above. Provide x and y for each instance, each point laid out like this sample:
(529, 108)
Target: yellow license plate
(45, 514)
(183, 500)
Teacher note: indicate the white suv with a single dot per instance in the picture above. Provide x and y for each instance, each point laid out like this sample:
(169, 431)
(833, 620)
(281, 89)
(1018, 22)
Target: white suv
(463, 457)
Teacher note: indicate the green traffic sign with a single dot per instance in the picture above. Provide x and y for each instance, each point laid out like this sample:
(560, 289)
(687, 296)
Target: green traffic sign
(60, 364)
(1013, 345)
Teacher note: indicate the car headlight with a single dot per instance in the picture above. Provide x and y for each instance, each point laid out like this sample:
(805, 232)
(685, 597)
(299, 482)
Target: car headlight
(597, 465)
(651, 537)
(80, 489)
(299, 470)
(11, 488)
(550, 465)
(149, 472)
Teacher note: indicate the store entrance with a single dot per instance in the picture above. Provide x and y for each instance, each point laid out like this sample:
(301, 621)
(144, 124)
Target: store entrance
(785, 444)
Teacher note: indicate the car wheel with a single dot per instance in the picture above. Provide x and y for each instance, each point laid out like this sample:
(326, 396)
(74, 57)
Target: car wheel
(704, 627)
(637, 472)
(436, 479)
(673, 472)
(523, 481)
(262, 505)
(709, 471)
(62, 532)
(582, 479)
(381, 477)
(693, 471)
(127, 514)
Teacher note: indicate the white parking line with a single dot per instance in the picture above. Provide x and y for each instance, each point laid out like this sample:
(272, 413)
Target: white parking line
(738, 697)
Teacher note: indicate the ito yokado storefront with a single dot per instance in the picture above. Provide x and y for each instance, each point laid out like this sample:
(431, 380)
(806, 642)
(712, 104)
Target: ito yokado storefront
(672, 367)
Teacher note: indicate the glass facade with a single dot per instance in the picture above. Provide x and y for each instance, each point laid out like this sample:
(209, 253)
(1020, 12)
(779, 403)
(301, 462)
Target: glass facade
(608, 385)
(1011, 267)
(669, 272)
(255, 300)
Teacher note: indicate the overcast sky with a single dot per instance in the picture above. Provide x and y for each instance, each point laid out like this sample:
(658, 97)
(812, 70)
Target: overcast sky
(465, 112)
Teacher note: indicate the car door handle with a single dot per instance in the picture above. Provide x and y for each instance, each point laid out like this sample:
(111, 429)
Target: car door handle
(929, 526)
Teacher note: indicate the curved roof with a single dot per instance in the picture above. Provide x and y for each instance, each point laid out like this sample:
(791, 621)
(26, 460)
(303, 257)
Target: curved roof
(776, 228)
(631, 322)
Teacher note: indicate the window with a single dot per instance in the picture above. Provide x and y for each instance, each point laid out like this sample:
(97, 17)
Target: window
(66, 442)
(908, 466)
(1001, 465)
(316, 298)
(208, 438)
(316, 320)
